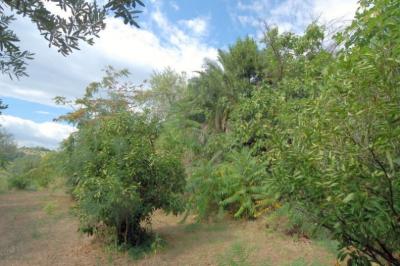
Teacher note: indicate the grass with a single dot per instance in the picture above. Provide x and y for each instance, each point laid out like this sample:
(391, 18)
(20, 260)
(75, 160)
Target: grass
(44, 228)
(237, 255)
(50, 208)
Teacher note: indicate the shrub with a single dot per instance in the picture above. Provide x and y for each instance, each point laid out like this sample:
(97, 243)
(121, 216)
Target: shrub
(234, 184)
(123, 177)
(20, 182)
(20, 171)
(31, 171)
(342, 162)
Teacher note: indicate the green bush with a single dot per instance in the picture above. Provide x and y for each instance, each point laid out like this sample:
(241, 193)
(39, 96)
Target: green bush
(123, 177)
(235, 184)
(118, 174)
(341, 165)
(34, 171)
(328, 132)
(20, 172)
(20, 182)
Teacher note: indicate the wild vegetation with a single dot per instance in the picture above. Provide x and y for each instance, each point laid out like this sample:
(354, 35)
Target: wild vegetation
(119, 175)
(27, 168)
(305, 125)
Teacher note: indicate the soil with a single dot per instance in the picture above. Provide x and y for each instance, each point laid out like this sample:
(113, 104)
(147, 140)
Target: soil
(39, 228)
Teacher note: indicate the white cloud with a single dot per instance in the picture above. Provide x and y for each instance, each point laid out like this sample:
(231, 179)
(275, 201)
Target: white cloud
(31, 134)
(342, 10)
(197, 25)
(249, 20)
(174, 5)
(157, 45)
(57, 10)
(141, 49)
(42, 112)
(294, 15)
(254, 6)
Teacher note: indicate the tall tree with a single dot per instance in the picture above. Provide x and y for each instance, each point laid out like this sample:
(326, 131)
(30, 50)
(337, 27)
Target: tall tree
(222, 83)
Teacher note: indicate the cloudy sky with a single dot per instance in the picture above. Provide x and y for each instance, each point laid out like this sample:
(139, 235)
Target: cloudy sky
(178, 34)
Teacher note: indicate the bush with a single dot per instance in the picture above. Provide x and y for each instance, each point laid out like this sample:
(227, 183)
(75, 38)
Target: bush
(341, 164)
(20, 182)
(48, 170)
(21, 172)
(234, 184)
(32, 171)
(122, 176)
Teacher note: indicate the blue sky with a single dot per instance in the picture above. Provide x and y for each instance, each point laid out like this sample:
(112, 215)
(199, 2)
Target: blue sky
(177, 34)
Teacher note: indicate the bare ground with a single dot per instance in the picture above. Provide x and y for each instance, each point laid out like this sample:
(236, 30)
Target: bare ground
(38, 228)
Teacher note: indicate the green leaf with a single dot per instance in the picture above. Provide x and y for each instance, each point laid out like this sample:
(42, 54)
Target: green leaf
(349, 198)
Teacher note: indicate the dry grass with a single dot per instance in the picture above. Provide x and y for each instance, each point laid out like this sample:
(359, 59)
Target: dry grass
(33, 235)
(37, 228)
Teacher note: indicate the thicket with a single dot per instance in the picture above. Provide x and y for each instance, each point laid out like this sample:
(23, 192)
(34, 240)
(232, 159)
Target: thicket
(33, 171)
(26, 168)
(305, 121)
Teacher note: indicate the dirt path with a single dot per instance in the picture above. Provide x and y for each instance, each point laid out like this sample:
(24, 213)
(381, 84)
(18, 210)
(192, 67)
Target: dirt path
(37, 228)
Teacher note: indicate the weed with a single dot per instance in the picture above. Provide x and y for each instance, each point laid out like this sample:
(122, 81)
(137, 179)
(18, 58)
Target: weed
(50, 208)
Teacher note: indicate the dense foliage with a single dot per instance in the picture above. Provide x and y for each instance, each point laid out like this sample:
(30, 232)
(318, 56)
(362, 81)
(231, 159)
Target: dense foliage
(342, 162)
(28, 168)
(21, 171)
(306, 122)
